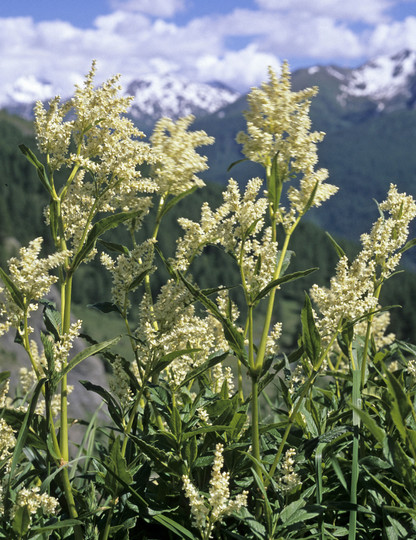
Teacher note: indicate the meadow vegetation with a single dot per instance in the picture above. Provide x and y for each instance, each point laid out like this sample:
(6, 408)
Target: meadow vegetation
(253, 400)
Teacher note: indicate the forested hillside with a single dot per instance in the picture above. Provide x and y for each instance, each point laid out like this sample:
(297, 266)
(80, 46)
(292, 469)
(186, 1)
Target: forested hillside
(22, 199)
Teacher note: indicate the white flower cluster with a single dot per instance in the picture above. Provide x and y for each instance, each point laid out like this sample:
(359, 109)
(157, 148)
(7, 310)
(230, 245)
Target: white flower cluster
(106, 158)
(289, 480)
(352, 291)
(177, 161)
(30, 274)
(119, 383)
(127, 268)
(171, 324)
(34, 501)
(207, 511)
(279, 126)
(411, 367)
(236, 226)
(7, 444)
(63, 347)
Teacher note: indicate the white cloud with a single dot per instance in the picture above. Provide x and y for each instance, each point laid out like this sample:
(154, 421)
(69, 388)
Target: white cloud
(390, 38)
(157, 8)
(369, 11)
(239, 69)
(139, 38)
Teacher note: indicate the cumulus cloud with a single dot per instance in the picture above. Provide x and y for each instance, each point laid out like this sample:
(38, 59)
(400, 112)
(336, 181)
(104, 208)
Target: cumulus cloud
(157, 8)
(390, 38)
(370, 11)
(143, 36)
(239, 69)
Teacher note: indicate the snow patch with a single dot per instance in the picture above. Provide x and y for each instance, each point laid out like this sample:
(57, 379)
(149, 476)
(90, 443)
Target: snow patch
(383, 78)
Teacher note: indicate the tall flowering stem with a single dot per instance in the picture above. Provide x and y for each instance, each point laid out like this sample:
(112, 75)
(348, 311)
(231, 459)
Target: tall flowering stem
(279, 137)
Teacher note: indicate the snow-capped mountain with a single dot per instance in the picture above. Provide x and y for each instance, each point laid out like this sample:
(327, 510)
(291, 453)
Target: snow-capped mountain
(19, 97)
(154, 96)
(387, 81)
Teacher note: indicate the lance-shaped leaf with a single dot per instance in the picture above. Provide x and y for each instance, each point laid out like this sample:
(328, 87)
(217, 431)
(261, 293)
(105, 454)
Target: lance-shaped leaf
(310, 336)
(86, 353)
(15, 293)
(400, 403)
(172, 202)
(212, 361)
(408, 245)
(280, 281)
(234, 163)
(24, 429)
(117, 248)
(105, 307)
(52, 318)
(337, 247)
(286, 260)
(275, 183)
(311, 198)
(167, 359)
(43, 177)
(99, 228)
(138, 279)
(116, 466)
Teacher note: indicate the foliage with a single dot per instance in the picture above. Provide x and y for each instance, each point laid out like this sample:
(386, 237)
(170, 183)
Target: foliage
(217, 427)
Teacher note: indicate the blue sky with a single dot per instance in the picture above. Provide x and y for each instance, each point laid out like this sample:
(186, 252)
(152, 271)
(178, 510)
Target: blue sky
(228, 40)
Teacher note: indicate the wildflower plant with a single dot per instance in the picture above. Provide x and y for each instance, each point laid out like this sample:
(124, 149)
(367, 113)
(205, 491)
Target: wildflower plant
(209, 415)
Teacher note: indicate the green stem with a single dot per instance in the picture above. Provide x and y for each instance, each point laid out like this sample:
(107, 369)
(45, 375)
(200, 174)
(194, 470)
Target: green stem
(254, 374)
(66, 322)
(270, 306)
(297, 405)
(356, 401)
(367, 340)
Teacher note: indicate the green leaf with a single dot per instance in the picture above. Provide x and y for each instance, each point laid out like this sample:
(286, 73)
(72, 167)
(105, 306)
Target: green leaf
(167, 359)
(295, 513)
(137, 280)
(86, 353)
(373, 427)
(172, 202)
(286, 260)
(310, 336)
(176, 423)
(311, 198)
(274, 183)
(52, 319)
(64, 524)
(117, 248)
(218, 428)
(105, 307)
(4, 377)
(15, 293)
(400, 404)
(338, 248)
(43, 177)
(117, 470)
(158, 456)
(174, 526)
(21, 521)
(212, 361)
(112, 405)
(404, 466)
(234, 163)
(190, 450)
(281, 280)
(24, 429)
(99, 228)
(408, 245)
